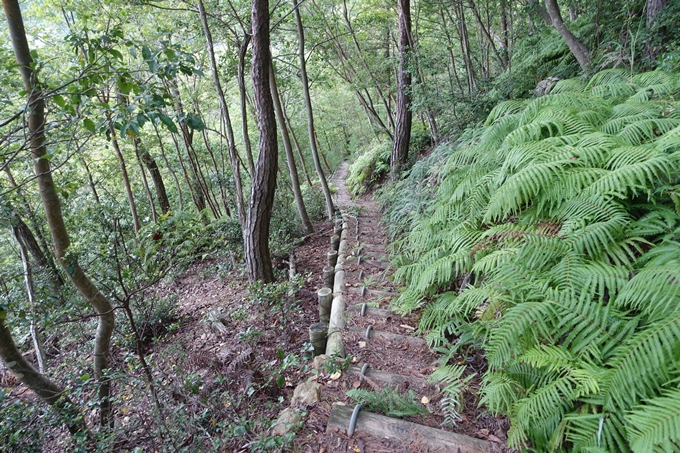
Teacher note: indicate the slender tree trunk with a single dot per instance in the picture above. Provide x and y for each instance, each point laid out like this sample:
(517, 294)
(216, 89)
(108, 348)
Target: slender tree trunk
(194, 189)
(579, 49)
(504, 35)
(172, 172)
(290, 158)
(241, 77)
(298, 149)
(402, 130)
(37, 244)
(231, 147)
(90, 180)
(136, 144)
(126, 178)
(156, 177)
(261, 203)
(485, 31)
(55, 220)
(310, 114)
(30, 292)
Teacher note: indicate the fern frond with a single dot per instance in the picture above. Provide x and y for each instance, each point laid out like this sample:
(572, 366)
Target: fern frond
(504, 108)
(647, 129)
(641, 366)
(597, 432)
(655, 425)
(609, 76)
(521, 188)
(564, 86)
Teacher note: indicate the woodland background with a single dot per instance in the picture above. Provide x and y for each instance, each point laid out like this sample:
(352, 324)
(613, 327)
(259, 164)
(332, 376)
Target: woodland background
(531, 150)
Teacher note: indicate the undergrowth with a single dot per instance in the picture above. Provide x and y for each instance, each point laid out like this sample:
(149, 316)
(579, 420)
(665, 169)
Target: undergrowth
(549, 239)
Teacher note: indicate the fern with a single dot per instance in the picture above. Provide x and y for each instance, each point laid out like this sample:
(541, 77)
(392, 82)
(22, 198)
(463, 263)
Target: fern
(656, 424)
(389, 402)
(551, 244)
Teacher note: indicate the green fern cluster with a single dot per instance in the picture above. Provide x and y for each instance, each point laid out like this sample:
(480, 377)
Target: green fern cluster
(388, 401)
(553, 245)
(369, 168)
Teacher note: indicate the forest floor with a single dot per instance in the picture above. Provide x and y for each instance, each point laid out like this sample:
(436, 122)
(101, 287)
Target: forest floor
(231, 361)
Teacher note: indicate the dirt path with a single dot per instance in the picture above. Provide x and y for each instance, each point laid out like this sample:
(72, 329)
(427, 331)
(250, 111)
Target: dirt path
(398, 363)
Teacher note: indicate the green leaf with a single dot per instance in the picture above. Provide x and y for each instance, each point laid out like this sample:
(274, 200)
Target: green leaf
(116, 54)
(195, 122)
(89, 125)
(280, 381)
(59, 101)
(146, 52)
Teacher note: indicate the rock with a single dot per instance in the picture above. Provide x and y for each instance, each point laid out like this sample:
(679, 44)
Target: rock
(307, 392)
(288, 419)
(319, 361)
(544, 86)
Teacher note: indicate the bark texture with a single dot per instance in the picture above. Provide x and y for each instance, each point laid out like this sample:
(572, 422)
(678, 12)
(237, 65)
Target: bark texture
(402, 129)
(52, 206)
(261, 202)
(579, 49)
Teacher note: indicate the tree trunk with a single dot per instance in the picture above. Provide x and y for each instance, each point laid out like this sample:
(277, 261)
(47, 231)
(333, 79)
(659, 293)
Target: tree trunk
(126, 178)
(231, 147)
(261, 203)
(290, 158)
(310, 114)
(55, 220)
(579, 49)
(241, 77)
(487, 35)
(39, 250)
(169, 167)
(298, 149)
(41, 385)
(402, 130)
(30, 292)
(136, 144)
(90, 180)
(156, 177)
(654, 8)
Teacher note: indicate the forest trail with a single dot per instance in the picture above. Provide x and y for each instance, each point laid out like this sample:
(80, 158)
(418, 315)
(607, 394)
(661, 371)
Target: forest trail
(386, 366)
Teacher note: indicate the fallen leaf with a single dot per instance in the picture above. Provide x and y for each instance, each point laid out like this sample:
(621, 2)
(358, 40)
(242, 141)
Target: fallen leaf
(362, 344)
(493, 438)
(425, 400)
(335, 376)
(356, 384)
(355, 359)
(407, 327)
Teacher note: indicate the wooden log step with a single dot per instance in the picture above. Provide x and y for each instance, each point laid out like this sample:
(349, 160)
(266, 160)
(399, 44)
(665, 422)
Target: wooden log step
(375, 312)
(394, 337)
(387, 378)
(381, 426)
(371, 292)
